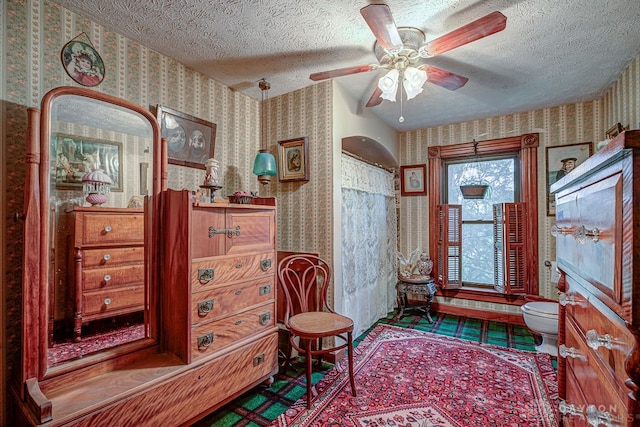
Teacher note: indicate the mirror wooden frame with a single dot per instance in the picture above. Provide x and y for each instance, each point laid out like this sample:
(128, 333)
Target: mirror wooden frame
(34, 367)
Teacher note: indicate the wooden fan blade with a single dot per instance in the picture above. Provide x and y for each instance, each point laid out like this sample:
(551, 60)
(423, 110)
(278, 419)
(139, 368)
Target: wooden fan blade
(444, 78)
(380, 20)
(375, 98)
(483, 27)
(323, 75)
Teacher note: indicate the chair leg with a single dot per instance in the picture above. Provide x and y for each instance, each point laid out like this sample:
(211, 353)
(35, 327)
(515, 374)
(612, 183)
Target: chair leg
(309, 362)
(320, 353)
(351, 379)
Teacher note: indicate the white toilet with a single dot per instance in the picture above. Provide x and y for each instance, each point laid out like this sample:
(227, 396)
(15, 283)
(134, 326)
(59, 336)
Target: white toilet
(541, 317)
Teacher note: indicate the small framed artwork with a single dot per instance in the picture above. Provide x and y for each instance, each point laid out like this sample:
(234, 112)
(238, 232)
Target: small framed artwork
(75, 156)
(560, 161)
(614, 130)
(413, 180)
(82, 63)
(191, 141)
(293, 159)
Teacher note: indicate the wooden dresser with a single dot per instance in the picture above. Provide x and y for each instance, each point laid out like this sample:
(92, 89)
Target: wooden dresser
(598, 253)
(219, 270)
(108, 263)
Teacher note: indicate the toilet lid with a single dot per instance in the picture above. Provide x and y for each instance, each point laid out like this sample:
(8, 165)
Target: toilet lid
(541, 308)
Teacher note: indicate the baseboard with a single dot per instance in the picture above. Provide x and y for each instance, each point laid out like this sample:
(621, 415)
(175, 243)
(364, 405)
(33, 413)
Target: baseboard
(496, 316)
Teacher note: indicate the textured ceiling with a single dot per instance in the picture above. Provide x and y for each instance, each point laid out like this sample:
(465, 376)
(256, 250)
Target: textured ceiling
(551, 53)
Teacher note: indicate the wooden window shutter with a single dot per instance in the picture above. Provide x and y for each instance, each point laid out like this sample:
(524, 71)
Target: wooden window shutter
(510, 248)
(449, 246)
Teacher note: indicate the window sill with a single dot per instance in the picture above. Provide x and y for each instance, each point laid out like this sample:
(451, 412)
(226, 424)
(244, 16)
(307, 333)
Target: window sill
(483, 294)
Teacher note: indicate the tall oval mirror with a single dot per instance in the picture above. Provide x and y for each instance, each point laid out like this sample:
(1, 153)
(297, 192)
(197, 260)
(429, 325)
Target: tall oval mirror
(101, 177)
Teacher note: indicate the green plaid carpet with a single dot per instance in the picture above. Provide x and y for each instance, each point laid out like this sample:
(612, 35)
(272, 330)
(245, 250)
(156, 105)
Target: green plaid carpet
(260, 406)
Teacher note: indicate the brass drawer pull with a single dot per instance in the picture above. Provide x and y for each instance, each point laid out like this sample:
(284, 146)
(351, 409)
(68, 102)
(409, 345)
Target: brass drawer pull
(239, 265)
(238, 322)
(106, 257)
(107, 229)
(205, 275)
(265, 289)
(238, 291)
(107, 301)
(265, 317)
(107, 277)
(228, 231)
(206, 340)
(205, 307)
(258, 360)
(265, 264)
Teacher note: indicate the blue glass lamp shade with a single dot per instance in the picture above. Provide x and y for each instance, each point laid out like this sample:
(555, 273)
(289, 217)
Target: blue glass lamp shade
(264, 166)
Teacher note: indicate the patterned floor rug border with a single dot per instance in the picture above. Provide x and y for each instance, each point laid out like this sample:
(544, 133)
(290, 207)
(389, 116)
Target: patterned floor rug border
(406, 377)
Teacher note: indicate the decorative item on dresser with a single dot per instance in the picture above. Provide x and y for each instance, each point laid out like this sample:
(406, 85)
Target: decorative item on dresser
(597, 233)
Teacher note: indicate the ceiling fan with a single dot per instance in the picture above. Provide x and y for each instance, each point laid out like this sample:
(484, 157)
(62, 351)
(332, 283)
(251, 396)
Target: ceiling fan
(402, 49)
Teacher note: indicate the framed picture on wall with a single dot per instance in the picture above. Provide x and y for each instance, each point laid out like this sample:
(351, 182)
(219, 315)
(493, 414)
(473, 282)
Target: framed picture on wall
(413, 180)
(560, 161)
(293, 159)
(191, 141)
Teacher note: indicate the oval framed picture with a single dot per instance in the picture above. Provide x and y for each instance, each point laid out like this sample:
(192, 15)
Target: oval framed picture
(82, 63)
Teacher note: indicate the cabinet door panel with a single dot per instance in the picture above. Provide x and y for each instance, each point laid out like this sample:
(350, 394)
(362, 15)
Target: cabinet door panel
(256, 231)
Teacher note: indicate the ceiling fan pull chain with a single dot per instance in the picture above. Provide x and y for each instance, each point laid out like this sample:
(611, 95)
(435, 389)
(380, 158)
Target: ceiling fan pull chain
(401, 119)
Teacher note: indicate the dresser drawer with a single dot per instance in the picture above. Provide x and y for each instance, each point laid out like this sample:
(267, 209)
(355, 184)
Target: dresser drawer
(209, 272)
(593, 376)
(588, 244)
(112, 277)
(104, 229)
(222, 301)
(107, 257)
(590, 321)
(213, 336)
(111, 301)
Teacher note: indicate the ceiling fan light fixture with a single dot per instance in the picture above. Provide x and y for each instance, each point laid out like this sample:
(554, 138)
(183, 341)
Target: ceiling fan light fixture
(388, 84)
(413, 81)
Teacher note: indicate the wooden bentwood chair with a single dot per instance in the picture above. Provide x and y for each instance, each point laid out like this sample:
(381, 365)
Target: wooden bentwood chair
(307, 314)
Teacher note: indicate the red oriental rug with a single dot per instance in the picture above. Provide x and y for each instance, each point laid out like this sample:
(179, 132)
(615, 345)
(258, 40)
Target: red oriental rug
(406, 377)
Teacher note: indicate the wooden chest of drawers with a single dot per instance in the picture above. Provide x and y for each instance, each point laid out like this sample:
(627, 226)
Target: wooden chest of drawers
(108, 263)
(219, 270)
(597, 249)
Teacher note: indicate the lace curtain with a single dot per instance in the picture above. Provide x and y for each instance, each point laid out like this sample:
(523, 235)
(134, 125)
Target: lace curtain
(369, 242)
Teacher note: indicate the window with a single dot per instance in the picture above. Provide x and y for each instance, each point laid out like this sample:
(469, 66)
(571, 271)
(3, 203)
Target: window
(478, 250)
(475, 244)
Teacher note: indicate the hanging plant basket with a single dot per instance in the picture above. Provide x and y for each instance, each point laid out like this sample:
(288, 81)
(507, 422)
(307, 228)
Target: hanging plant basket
(474, 191)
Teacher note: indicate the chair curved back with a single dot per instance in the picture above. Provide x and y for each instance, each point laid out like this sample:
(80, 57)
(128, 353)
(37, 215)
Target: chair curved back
(305, 281)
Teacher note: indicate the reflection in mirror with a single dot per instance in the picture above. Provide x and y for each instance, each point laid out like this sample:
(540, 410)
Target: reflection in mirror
(101, 169)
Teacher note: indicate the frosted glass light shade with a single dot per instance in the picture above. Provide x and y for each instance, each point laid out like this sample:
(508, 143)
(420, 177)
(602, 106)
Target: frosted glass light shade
(413, 81)
(388, 84)
(264, 166)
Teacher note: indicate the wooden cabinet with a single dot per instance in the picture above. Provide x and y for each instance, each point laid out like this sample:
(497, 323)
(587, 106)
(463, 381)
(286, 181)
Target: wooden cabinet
(107, 263)
(597, 236)
(219, 267)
